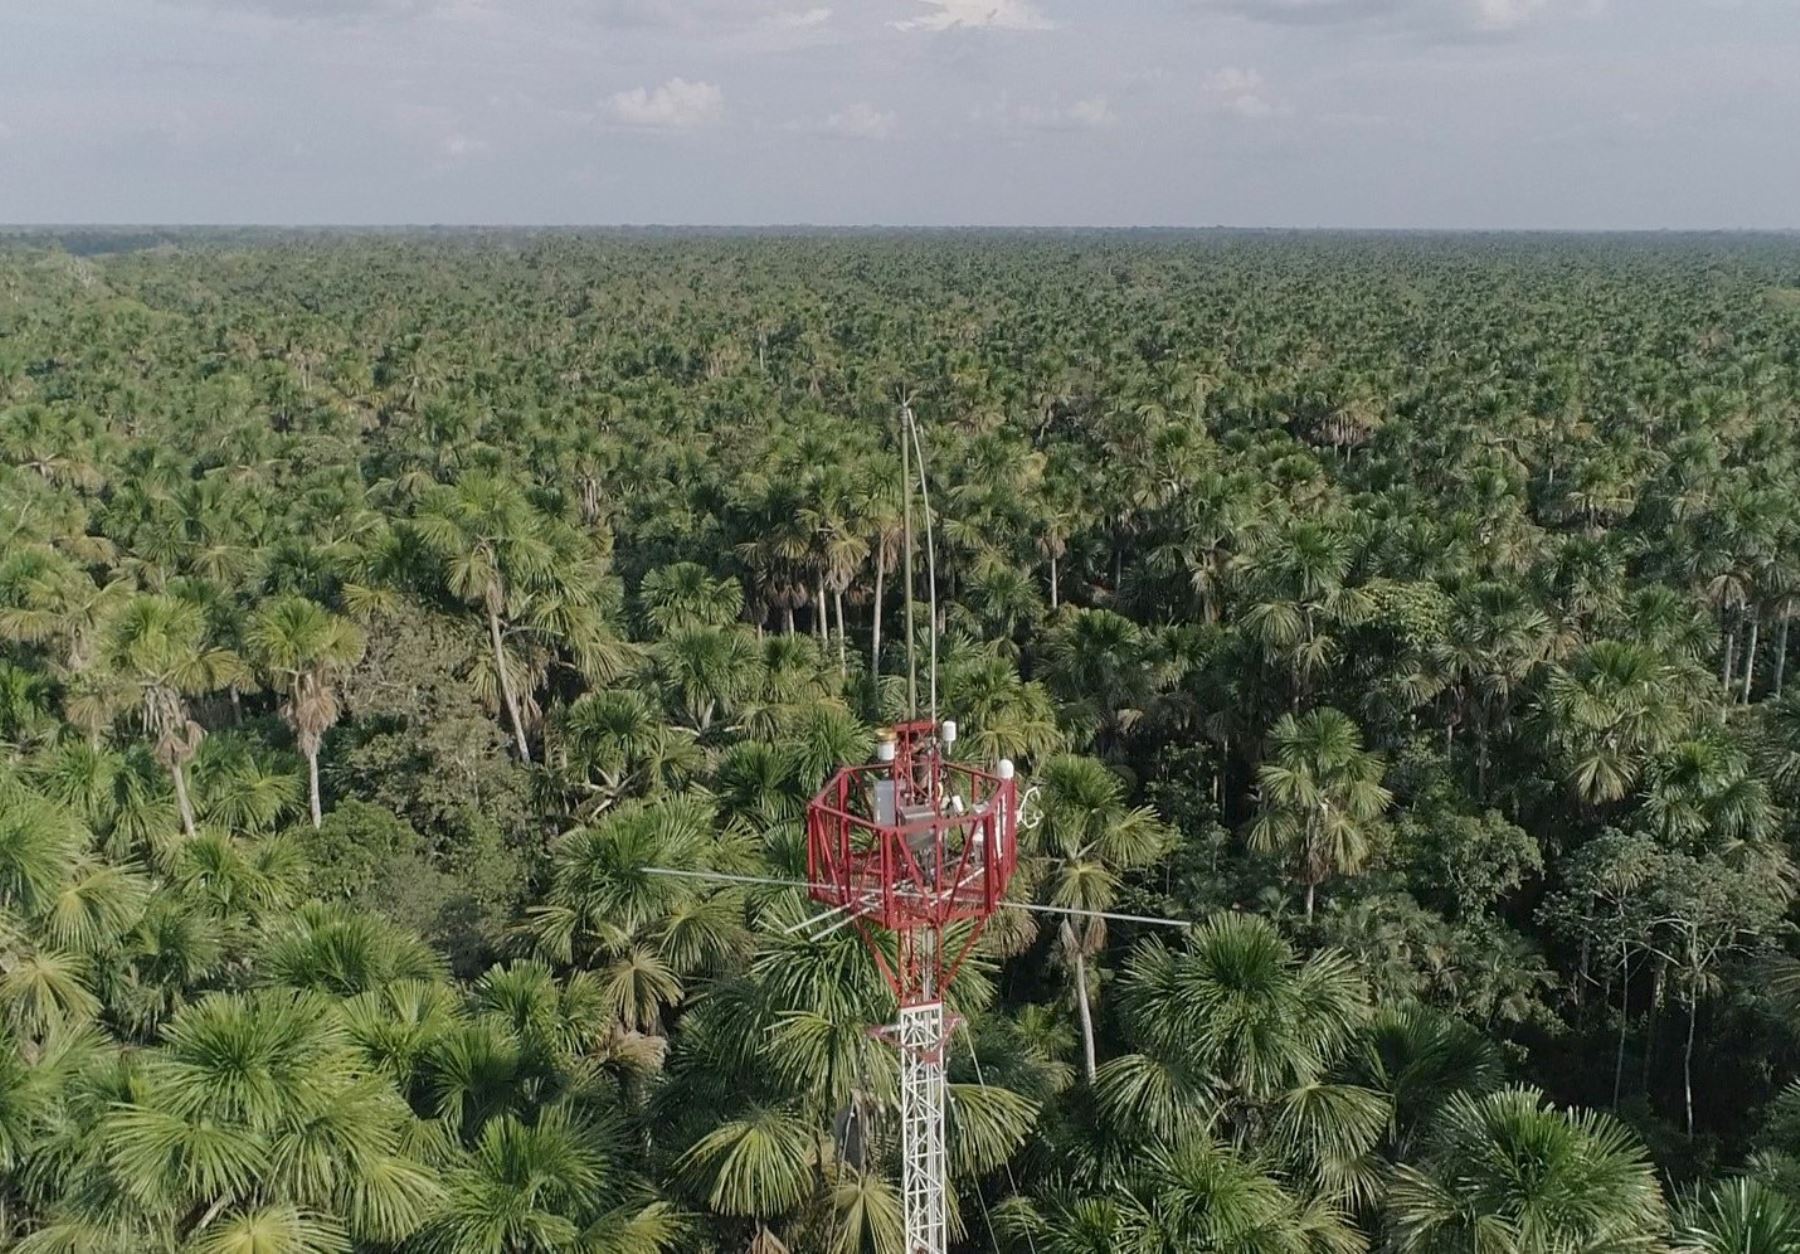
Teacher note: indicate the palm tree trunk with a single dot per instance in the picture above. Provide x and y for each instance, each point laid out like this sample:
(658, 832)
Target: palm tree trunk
(1728, 664)
(1087, 1015)
(1053, 597)
(1750, 656)
(822, 615)
(1481, 753)
(1656, 996)
(787, 612)
(181, 798)
(1781, 641)
(312, 783)
(1624, 1019)
(875, 614)
(837, 595)
(1582, 966)
(506, 686)
(1311, 892)
(1687, 1065)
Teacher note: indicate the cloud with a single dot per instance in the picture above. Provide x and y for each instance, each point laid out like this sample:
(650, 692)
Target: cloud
(1307, 12)
(321, 10)
(861, 120)
(673, 106)
(1090, 113)
(699, 16)
(1094, 111)
(1499, 15)
(1243, 92)
(1232, 81)
(457, 146)
(1439, 18)
(976, 15)
(800, 19)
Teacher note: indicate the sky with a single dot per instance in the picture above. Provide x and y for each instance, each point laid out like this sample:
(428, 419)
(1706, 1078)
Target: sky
(1583, 114)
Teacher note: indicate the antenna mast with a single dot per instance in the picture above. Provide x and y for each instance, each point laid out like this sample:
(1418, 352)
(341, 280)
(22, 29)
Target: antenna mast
(922, 848)
(912, 665)
(930, 561)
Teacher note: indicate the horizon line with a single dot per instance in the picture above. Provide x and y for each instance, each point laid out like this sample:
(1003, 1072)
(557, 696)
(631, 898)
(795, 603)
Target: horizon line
(871, 227)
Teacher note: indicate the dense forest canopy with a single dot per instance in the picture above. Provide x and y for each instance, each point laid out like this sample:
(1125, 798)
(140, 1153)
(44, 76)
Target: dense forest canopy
(1410, 613)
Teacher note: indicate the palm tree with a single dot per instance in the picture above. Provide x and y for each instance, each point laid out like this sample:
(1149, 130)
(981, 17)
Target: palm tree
(1057, 516)
(780, 548)
(545, 1184)
(1003, 599)
(1704, 788)
(608, 908)
(707, 672)
(494, 553)
(334, 950)
(302, 648)
(253, 1116)
(1075, 855)
(1299, 591)
(240, 789)
(39, 844)
(684, 595)
(1418, 1058)
(1098, 664)
(46, 598)
(1202, 1195)
(1497, 637)
(1741, 1216)
(157, 651)
(760, 1165)
(1003, 715)
(1510, 1173)
(614, 742)
(1321, 797)
(840, 544)
(1238, 1032)
(878, 506)
(1197, 1194)
(1608, 712)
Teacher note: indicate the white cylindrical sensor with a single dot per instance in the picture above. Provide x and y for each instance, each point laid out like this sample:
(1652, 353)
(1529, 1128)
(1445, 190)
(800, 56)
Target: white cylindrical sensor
(884, 745)
(1006, 768)
(949, 731)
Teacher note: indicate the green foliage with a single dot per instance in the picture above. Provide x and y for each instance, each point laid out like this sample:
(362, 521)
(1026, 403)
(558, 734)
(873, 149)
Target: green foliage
(382, 616)
(1465, 864)
(1513, 1173)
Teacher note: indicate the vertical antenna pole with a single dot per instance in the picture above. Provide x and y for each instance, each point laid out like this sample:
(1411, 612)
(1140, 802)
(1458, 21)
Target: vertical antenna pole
(930, 558)
(912, 665)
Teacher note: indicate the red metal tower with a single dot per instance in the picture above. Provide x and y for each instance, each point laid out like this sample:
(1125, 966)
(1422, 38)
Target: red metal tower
(915, 844)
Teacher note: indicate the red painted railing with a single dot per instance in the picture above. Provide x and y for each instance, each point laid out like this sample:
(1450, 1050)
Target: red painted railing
(946, 856)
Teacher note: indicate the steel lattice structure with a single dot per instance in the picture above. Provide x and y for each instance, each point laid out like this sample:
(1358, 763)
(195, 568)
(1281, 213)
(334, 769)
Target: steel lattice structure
(921, 848)
(923, 1035)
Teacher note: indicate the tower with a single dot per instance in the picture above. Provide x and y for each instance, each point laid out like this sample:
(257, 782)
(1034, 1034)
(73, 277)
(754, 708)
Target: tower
(917, 847)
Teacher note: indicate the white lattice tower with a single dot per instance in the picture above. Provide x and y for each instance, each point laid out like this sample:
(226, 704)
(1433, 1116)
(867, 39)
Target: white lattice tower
(922, 1037)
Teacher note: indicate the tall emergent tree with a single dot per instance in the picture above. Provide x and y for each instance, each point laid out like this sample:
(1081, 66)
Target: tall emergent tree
(302, 648)
(1321, 798)
(157, 652)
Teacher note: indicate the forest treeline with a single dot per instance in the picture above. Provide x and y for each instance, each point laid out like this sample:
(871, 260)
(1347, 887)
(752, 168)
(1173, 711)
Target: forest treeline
(1410, 614)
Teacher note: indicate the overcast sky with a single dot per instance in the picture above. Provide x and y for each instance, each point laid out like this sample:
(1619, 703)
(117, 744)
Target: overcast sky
(1366, 113)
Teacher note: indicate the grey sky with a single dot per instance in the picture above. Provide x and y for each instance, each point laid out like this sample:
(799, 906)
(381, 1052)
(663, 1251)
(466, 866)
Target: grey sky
(1501, 113)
